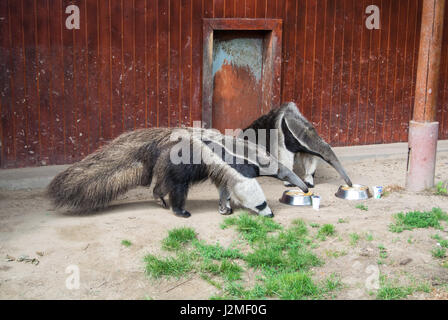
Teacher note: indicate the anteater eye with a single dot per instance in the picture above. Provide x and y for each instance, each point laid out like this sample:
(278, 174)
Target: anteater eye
(262, 206)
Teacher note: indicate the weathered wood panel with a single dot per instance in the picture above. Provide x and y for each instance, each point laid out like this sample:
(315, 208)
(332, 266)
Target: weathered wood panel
(137, 63)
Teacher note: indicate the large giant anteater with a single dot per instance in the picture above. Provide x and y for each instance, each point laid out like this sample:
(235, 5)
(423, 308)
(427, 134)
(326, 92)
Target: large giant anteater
(175, 158)
(297, 139)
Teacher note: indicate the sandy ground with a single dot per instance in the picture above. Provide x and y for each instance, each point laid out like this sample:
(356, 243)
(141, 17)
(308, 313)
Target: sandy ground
(108, 270)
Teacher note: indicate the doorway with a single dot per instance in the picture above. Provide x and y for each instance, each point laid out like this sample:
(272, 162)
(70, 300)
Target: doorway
(241, 72)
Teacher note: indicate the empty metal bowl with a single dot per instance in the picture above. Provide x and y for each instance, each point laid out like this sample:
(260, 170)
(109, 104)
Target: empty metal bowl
(356, 192)
(296, 198)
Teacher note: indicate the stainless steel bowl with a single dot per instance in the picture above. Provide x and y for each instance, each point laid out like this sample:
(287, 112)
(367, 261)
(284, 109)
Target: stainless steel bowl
(296, 198)
(357, 192)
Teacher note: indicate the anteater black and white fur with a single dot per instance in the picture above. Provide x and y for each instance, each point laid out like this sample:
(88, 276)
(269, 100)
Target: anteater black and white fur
(296, 140)
(137, 158)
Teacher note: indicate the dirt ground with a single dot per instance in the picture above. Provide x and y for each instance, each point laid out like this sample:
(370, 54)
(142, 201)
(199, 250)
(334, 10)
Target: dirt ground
(108, 270)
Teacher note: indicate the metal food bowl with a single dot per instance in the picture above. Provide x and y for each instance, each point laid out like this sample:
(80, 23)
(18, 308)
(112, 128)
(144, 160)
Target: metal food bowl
(296, 198)
(356, 192)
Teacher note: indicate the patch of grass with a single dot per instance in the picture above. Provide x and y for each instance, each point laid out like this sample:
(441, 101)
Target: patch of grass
(340, 220)
(178, 238)
(417, 219)
(216, 252)
(390, 290)
(383, 251)
(126, 243)
(292, 286)
(335, 253)
(252, 228)
(442, 242)
(314, 225)
(280, 257)
(326, 230)
(354, 238)
(169, 267)
(438, 252)
(369, 237)
(441, 189)
(362, 207)
(227, 269)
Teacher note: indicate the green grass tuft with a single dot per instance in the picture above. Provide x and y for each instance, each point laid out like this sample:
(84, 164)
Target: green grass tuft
(392, 291)
(216, 252)
(126, 243)
(362, 207)
(438, 252)
(292, 286)
(417, 219)
(354, 238)
(281, 259)
(178, 238)
(252, 228)
(442, 188)
(326, 230)
(227, 269)
(169, 267)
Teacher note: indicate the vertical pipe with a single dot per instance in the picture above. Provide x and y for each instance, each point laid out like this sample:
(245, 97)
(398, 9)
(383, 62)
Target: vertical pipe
(423, 129)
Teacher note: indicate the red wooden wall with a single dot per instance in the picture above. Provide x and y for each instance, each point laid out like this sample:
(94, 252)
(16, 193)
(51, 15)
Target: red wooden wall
(137, 63)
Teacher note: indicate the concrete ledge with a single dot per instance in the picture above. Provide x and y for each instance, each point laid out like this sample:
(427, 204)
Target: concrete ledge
(40, 177)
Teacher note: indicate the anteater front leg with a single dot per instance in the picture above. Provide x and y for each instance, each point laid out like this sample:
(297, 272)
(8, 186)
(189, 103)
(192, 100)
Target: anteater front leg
(178, 195)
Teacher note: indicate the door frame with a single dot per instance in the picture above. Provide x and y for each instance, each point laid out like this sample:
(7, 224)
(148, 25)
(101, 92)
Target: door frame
(272, 59)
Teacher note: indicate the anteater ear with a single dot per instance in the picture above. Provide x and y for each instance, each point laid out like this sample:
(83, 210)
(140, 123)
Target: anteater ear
(304, 134)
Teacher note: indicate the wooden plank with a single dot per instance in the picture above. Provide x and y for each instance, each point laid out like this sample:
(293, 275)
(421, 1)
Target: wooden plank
(407, 70)
(124, 77)
(218, 8)
(289, 32)
(229, 8)
(373, 82)
(80, 80)
(250, 8)
(391, 112)
(70, 105)
(140, 63)
(57, 82)
(186, 62)
(358, 41)
(196, 43)
(317, 60)
(308, 57)
(400, 66)
(7, 119)
(443, 86)
(163, 111)
(261, 7)
(240, 8)
(121, 73)
(346, 74)
(294, 90)
(362, 80)
(174, 63)
(152, 63)
(337, 73)
(31, 85)
(328, 69)
(381, 103)
(208, 9)
(271, 7)
(105, 93)
(44, 79)
(92, 34)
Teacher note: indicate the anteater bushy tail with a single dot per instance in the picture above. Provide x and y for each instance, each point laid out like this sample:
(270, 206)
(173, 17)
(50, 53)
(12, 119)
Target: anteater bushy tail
(100, 177)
